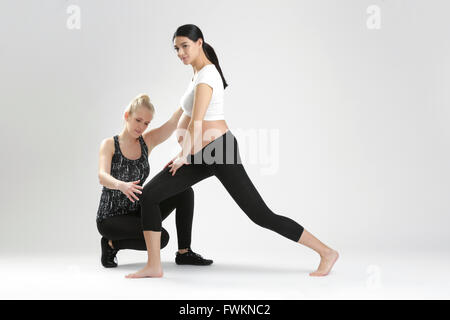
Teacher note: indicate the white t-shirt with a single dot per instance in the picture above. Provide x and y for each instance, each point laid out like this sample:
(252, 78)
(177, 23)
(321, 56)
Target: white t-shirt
(209, 75)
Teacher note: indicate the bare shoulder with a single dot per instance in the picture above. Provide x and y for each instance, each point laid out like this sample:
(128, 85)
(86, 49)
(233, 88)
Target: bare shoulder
(107, 146)
(147, 136)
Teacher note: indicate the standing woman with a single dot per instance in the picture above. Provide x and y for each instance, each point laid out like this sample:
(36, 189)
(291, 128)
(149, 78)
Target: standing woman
(123, 168)
(210, 149)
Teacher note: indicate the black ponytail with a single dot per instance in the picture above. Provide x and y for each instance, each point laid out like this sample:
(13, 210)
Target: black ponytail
(211, 55)
(194, 33)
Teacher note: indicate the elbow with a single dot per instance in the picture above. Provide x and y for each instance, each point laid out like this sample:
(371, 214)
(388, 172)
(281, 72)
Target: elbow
(191, 125)
(100, 178)
(173, 127)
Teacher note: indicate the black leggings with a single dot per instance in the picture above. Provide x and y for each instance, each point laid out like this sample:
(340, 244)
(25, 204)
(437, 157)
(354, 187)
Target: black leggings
(125, 230)
(219, 158)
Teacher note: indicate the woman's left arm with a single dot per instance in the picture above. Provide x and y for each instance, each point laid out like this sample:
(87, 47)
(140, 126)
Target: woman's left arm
(158, 135)
(192, 141)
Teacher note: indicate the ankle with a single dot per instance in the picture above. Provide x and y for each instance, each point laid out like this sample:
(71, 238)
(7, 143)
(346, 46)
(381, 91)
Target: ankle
(111, 244)
(325, 252)
(153, 265)
(181, 251)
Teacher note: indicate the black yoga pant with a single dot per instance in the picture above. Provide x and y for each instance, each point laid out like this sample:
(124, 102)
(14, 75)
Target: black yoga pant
(125, 230)
(219, 158)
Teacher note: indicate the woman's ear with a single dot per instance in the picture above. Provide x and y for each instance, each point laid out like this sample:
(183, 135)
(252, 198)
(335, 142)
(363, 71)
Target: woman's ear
(126, 115)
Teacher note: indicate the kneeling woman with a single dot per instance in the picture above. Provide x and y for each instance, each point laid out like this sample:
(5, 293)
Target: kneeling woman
(123, 168)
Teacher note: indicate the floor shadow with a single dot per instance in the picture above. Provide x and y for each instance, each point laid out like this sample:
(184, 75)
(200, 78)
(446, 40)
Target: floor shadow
(257, 268)
(140, 265)
(222, 268)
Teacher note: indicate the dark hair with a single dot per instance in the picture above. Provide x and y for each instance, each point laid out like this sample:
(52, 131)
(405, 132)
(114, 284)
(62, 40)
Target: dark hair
(194, 33)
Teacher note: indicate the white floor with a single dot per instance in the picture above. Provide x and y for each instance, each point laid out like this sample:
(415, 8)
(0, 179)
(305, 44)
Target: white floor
(414, 275)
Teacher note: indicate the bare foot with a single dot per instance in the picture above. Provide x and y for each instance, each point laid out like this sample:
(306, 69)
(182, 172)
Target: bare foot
(326, 263)
(146, 272)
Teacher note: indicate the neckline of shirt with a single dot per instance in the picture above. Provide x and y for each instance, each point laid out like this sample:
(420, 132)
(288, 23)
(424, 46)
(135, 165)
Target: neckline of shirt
(120, 150)
(195, 74)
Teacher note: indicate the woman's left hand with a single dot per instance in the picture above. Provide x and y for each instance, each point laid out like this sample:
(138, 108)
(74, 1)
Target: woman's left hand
(176, 164)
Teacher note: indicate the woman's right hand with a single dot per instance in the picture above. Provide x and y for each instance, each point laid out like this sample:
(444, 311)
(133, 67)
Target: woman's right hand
(173, 159)
(169, 162)
(129, 188)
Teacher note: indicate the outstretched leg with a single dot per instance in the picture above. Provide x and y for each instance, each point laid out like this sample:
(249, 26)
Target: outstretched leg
(328, 256)
(235, 179)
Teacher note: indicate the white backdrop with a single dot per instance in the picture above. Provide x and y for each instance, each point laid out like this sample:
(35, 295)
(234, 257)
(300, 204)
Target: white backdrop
(357, 92)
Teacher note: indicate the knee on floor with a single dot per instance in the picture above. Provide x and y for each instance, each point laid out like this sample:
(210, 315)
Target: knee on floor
(164, 238)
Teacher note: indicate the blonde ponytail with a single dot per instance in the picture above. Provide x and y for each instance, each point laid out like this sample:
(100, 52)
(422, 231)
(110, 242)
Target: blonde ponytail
(142, 100)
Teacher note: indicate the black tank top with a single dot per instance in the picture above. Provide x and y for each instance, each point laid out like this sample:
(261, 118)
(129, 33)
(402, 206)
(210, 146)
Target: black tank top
(114, 202)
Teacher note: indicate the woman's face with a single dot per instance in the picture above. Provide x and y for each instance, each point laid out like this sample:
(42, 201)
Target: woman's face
(186, 49)
(138, 122)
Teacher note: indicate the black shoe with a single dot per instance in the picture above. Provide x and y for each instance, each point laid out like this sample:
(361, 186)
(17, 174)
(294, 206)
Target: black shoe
(109, 259)
(193, 258)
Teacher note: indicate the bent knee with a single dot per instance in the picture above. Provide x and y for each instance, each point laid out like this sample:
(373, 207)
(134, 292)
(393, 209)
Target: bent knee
(164, 238)
(150, 194)
(186, 195)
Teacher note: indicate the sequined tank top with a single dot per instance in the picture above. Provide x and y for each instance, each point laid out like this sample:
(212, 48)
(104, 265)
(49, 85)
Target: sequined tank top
(114, 202)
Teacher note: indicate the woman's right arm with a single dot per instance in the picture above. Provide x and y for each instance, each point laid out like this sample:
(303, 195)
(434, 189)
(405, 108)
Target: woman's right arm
(104, 172)
(104, 165)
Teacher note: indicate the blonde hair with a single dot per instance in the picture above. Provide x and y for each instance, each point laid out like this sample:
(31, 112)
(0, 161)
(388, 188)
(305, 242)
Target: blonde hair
(142, 100)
